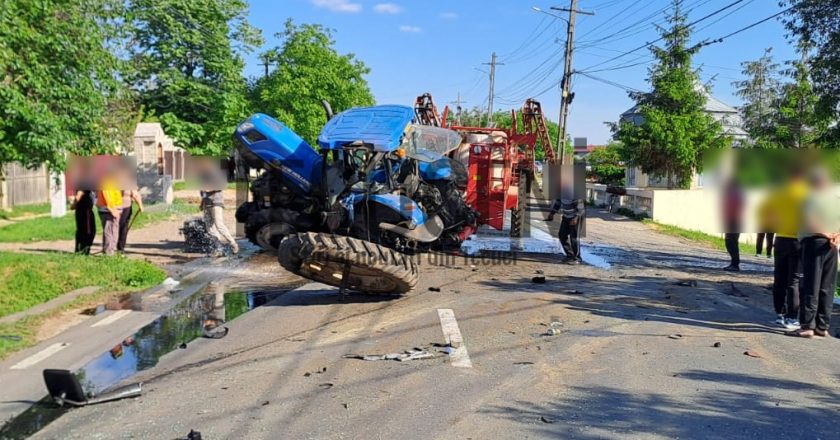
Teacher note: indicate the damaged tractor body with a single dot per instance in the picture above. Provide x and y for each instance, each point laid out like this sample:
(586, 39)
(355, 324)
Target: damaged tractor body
(378, 189)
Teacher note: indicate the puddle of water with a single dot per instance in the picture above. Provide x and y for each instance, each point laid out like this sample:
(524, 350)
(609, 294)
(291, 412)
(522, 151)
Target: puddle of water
(539, 245)
(182, 324)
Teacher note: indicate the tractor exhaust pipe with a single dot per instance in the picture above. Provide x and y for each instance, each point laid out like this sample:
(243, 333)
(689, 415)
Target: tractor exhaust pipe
(327, 109)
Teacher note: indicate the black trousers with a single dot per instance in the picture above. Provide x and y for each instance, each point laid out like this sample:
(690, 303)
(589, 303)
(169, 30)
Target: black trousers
(819, 280)
(85, 229)
(125, 219)
(731, 240)
(570, 237)
(759, 243)
(787, 271)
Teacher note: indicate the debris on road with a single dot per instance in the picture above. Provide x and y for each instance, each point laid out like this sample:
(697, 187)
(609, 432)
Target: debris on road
(265, 403)
(675, 336)
(545, 419)
(572, 292)
(538, 280)
(326, 385)
(752, 354)
(434, 289)
(408, 355)
(523, 363)
(688, 283)
(194, 435)
(716, 345)
(321, 370)
(216, 332)
(183, 346)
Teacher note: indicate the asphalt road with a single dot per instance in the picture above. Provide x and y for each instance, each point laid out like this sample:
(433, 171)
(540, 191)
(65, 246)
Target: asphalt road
(634, 357)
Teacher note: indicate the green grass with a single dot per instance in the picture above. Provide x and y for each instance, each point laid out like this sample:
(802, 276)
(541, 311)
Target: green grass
(64, 228)
(191, 184)
(701, 237)
(25, 210)
(32, 279)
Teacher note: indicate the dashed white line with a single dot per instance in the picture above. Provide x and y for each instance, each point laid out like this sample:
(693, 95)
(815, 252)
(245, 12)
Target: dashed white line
(111, 319)
(39, 356)
(458, 356)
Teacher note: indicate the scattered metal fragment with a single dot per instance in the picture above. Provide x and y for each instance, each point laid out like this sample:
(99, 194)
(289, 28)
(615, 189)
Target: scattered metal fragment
(538, 280)
(265, 403)
(414, 354)
(539, 272)
(716, 345)
(545, 419)
(752, 354)
(523, 363)
(194, 435)
(326, 385)
(572, 292)
(689, 283)
(434, 289)
(216, 333)
(675, 336)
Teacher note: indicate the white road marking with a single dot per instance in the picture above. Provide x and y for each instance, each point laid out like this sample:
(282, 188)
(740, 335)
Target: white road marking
(111, 319)
(458, 355)
(39, 356)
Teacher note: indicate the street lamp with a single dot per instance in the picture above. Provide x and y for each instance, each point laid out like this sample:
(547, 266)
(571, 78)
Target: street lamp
(548, 13)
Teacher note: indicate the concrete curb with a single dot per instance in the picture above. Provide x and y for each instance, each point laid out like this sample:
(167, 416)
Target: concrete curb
(53, 304)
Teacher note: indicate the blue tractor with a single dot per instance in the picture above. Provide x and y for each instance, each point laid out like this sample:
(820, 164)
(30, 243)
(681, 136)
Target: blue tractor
(351, 214)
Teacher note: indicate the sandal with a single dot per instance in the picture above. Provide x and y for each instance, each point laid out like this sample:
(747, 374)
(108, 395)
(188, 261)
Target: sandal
(801, 333)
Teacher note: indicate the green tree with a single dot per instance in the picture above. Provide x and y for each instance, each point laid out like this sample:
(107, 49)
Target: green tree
(58, 80)
(673, 130)
(605, 165)
(309, 69)
(760, 93)
(186, 67)
(801, 121)
(816, 24)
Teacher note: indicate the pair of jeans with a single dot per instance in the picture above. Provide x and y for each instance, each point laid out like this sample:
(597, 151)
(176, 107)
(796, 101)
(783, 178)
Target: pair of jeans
(125, 219)
(787, 271)
(214, 221)
(570, 237)
(819, 281)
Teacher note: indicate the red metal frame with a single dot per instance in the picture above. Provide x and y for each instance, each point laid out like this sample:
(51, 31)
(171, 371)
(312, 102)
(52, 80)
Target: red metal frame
(495, 169)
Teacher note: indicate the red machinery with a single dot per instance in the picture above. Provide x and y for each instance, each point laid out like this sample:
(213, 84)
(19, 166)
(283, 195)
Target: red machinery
(500, 161)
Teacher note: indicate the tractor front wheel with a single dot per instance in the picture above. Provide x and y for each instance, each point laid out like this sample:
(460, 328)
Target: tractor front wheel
(328, 258)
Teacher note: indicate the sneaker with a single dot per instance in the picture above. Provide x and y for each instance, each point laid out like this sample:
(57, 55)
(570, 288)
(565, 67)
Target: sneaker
(769, 257)
(757, 255)
(732, 269)
(792, 324)
(780, 320)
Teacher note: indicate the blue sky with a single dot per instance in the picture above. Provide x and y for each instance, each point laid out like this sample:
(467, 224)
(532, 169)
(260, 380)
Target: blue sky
(437, 46)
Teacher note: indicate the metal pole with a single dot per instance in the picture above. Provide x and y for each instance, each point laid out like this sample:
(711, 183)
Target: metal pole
(566, 81)
(493, 65)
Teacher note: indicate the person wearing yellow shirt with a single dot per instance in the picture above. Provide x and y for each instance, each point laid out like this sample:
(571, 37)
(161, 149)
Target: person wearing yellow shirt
(109, 204)
(784, 216)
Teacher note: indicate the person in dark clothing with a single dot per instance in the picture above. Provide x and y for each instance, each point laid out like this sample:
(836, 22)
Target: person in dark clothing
(759, 243)
(820, 238)
(129, 197)
(733, 207)
(570, 225)
(82, 204)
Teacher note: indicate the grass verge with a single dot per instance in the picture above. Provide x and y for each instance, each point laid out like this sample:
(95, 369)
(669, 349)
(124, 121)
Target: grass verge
(32, 279)
(191, 184)
(64, 228)
(25, 210)
(701, 237)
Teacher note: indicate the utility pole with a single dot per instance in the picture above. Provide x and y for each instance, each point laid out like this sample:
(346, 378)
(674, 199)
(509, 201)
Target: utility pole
(266, 62)
(458, 103)
(566, 95)
(493, 65)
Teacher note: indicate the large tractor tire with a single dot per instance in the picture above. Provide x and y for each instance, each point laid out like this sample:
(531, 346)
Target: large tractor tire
(369, 267)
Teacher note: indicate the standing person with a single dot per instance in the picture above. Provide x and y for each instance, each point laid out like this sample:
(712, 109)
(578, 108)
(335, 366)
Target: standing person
(129, 197)
(109, 204)
(213, 184)
(765, 233)
(820, 239)
(785, 217)
(733, 208)
(82, 204)
(573, 211)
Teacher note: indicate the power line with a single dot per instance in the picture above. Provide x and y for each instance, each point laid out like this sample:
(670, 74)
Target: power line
(745, 28)
(712, 14)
